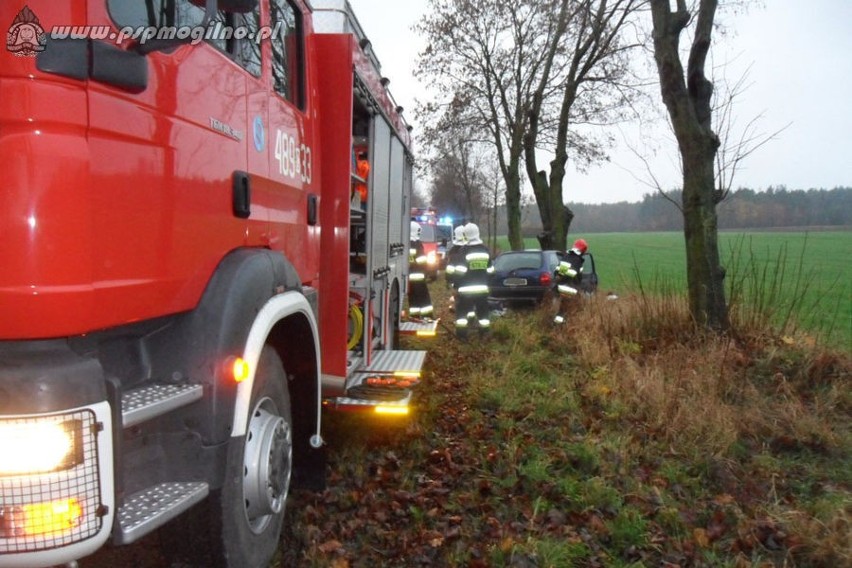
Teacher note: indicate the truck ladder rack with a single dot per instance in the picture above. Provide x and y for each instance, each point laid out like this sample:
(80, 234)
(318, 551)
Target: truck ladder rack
(153, 507)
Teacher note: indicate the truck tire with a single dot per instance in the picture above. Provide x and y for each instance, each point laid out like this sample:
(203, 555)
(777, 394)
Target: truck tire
(258, 472)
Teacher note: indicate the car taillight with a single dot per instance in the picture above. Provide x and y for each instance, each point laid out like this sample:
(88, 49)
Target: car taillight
(545, 279)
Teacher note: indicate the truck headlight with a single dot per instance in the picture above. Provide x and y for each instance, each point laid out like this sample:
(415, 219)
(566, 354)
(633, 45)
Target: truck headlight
(56, 483)
(431, 258)
(39, 447)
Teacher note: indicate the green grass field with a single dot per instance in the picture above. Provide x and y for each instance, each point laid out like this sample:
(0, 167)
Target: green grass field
(804, 275)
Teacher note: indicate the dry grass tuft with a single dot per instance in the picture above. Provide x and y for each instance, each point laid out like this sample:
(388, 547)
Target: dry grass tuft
(753, 403)
(824, 541)
(706, 392)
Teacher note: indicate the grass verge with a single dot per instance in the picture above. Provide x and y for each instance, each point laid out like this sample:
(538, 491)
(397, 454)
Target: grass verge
(622, 439)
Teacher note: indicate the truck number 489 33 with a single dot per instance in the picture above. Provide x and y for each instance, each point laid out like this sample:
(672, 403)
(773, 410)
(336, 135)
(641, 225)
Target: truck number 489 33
(294, 160)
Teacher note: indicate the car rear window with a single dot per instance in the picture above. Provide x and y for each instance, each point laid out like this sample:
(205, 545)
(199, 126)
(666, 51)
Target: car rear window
(553, 260)
(515, 261)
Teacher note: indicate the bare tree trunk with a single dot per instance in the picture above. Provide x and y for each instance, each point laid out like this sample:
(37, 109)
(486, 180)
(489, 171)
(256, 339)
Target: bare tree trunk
(556, 217)
(495, 201)
(705, 275)
(562, 215)
(592, 30)
(513, 206)
(688, 100)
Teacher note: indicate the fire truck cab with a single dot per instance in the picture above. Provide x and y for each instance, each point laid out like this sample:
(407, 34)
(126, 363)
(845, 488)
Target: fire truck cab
(187, 278)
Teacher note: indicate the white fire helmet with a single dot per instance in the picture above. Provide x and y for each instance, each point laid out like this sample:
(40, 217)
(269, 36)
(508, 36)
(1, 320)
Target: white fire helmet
(471, 234)
(458, 235)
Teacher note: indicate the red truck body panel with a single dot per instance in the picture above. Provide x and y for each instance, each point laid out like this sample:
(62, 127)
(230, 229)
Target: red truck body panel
(335, 98)
(107, 219)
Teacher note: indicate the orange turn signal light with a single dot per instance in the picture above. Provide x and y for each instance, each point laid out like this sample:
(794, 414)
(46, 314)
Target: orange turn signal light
(240, 369)
(38, 519)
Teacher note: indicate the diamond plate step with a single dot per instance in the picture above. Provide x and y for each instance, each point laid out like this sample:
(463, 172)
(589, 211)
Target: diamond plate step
(351, 403)
(150, 401)
(151, 508)
(420, 328)
(400, 366)
(399, 363)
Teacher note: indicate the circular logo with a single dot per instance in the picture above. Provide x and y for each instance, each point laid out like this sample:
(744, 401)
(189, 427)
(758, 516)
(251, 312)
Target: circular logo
(25, 37)
(259, 134)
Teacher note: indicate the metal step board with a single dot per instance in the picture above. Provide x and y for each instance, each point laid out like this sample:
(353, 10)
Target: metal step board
(363, 393)
(419, 328)
(368, 402)
(151, 508)
(150, 401)
(379, 386)
(401, 363)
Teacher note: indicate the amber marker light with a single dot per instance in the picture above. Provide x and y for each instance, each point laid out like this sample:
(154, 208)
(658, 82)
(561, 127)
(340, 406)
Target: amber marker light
(392, 410)
(53, 517)
(407, 374)
(240, 369)
(40, 519)
(422, 333)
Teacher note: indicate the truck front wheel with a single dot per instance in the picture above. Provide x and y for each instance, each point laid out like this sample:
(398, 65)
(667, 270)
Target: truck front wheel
(258, 472)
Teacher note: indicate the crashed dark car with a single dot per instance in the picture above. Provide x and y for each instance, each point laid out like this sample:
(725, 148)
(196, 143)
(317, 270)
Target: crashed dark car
(528, 276)
(523, 276)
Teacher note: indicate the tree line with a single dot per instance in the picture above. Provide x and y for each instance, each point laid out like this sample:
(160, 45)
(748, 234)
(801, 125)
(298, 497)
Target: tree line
(742, 209)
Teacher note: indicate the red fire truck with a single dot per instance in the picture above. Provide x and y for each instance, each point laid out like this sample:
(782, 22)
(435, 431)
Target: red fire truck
(181, 260)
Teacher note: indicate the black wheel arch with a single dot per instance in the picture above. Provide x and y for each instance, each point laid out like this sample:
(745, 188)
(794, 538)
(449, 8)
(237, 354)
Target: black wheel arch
(203, 340)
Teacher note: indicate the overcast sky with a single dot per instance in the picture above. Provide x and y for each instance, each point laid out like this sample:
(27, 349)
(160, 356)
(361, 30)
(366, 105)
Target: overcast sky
(800, 55)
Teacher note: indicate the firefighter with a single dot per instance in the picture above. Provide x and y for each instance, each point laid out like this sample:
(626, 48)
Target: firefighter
(454, 255)
(472, 275)
(362, 169)
(568, 276)
(419, 301)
